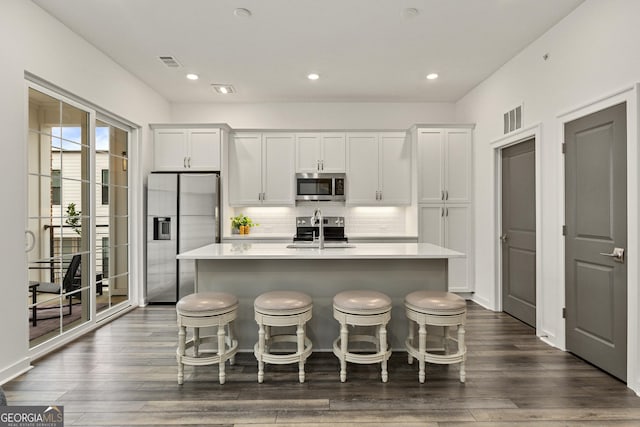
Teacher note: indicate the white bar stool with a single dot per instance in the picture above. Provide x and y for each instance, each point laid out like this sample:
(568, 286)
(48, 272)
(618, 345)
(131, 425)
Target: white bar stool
(436, 308)
(362, 308)
(201, 310)
(278, 309)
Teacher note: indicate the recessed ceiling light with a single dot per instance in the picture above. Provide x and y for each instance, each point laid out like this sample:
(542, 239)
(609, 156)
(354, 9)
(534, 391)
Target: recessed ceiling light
(241, 12)
(223, 89)
(432, 76)
(313, 76)
(192, 76)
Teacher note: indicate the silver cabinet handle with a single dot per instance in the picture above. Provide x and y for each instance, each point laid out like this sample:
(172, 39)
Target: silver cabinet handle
(446, 194)
(441, 194)
(184, 162)
(189, 162)
(442, 212)
(504, 238)
(617, 254)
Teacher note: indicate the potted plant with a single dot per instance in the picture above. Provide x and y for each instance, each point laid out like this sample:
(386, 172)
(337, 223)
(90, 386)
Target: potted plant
(242, 224)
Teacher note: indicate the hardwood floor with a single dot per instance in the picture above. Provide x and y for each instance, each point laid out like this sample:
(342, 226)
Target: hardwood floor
(125, 374)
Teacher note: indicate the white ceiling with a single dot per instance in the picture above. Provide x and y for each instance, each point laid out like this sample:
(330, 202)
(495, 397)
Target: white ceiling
(364, 50)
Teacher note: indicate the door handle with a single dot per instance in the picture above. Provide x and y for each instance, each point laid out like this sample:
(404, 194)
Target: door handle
(29, 246)
(617, 254)
(504, 238)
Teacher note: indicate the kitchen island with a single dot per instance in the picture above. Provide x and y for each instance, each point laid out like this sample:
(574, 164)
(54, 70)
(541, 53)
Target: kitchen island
(249, 269)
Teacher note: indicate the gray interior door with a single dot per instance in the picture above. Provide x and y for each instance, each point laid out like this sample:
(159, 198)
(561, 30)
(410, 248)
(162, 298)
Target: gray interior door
(596, 224)
(519, 231)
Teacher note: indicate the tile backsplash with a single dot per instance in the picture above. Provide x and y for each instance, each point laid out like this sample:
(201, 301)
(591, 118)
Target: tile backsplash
(358, 220)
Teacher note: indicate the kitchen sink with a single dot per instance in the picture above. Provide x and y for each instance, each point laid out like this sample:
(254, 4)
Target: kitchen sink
(315, 245)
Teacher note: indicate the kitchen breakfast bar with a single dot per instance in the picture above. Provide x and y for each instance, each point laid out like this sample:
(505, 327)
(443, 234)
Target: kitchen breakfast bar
(249, 269)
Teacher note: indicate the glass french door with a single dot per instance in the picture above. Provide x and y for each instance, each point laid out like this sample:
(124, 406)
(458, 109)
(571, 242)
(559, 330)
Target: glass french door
(77, 215)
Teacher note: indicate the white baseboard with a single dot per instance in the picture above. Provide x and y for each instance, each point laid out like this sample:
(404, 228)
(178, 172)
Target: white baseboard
(15, 370)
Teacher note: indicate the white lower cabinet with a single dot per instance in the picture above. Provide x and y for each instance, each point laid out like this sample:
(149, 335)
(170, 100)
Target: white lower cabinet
(450, 226)
(262, 169)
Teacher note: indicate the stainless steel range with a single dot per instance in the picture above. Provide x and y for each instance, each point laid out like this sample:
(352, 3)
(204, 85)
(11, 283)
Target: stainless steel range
(333, 227)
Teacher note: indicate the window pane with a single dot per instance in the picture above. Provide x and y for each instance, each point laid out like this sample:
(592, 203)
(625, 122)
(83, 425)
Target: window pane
(75, 124)
(104, 191)
(44, 112)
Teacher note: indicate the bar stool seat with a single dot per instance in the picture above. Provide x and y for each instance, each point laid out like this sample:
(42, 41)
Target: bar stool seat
(362, 308)
(201, 310)
(436, 308)
(279, 309)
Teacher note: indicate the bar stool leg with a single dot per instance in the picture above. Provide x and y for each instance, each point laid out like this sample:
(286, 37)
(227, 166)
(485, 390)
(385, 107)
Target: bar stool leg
(383, 348)
(221, 347)
(445, 340)
(422, 343)
(344, 339)
(182, 335)
(230, 338)
(261, 346)
(410, 337)
(300, 337)
(196, 341)
(462, 348)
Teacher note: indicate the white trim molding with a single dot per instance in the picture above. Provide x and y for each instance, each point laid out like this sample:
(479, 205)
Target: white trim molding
(629, 95)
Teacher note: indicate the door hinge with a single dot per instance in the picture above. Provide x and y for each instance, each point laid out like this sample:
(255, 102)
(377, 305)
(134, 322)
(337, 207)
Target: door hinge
(564, 230)
(564, 148)
(564, 312)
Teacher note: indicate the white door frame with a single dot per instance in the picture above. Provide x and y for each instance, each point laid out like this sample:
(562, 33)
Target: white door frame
(498, 145)
(630, 96)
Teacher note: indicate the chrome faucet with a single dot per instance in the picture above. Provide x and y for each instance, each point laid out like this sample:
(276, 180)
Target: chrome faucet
(316, 219)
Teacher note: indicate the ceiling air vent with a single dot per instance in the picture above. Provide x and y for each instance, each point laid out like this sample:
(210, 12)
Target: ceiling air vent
(170, 61)
(513, 119)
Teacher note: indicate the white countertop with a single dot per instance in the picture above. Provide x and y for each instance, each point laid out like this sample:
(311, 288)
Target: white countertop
(222, 251)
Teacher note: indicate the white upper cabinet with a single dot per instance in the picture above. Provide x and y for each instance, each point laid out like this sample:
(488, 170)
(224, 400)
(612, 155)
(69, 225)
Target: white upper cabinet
(179, 149)
(245, 169)
(444, 165)
(379, 169)
(261, 169)
(278, 169)
(320, 152)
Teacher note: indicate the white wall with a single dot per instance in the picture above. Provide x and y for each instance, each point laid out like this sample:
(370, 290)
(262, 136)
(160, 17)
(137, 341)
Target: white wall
(593, 53)
(33, 41)
(348, 115)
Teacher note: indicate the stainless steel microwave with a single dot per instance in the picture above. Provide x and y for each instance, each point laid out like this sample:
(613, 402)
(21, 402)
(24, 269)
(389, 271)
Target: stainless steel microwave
(320, 186)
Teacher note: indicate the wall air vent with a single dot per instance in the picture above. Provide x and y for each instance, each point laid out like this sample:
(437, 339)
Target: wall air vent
(513, 119)
(170, 61)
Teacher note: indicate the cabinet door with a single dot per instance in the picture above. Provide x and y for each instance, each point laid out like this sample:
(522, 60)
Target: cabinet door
(204, 149)
(278, 169)
(395, 169)
(334, 153)
(458, 168)
(169, 149)
(308, 152)
(362, 172)
(245, 169)
(431, 224)
(458, 236)
(430, 166)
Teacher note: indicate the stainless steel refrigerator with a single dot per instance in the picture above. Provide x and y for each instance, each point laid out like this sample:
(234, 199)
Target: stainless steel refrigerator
(182, 214)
